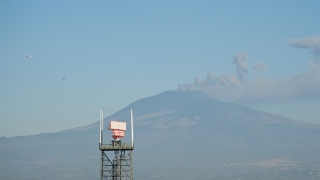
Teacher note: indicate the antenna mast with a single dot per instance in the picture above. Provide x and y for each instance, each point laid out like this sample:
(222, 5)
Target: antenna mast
(131, 118)
(101, 125)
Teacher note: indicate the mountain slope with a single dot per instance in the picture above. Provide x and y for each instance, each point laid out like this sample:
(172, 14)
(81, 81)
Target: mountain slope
(194, 107)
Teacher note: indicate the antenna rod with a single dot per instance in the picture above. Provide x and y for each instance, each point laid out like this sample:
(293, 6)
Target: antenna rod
(101, 125)
(131, 126)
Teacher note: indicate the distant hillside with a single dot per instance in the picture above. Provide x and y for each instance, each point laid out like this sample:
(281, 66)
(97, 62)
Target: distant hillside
(198, 107)
(178, 134)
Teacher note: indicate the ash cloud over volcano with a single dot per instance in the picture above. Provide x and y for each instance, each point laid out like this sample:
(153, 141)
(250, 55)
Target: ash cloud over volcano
(237, 87)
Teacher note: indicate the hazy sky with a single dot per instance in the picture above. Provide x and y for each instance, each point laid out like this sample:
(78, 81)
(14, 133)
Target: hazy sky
(92, 54)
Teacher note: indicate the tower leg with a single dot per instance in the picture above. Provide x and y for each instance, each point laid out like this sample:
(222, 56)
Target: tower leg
(101, 167)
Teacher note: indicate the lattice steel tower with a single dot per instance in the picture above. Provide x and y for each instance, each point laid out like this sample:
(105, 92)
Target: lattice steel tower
(120, 167)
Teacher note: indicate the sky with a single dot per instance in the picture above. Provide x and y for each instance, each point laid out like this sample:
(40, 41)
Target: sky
(88, 55)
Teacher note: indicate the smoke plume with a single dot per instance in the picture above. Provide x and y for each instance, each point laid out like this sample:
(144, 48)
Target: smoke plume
(237, 88)
(240, 60)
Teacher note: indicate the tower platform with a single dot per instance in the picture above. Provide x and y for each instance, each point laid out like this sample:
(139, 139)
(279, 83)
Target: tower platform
(116, 146)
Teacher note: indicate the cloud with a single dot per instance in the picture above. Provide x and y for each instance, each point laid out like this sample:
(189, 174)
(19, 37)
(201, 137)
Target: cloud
(302, 86)
(309, 42)
(259, 66)
(240, 60)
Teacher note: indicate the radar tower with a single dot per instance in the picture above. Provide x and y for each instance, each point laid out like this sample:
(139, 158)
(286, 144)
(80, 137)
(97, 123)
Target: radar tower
(120, 167)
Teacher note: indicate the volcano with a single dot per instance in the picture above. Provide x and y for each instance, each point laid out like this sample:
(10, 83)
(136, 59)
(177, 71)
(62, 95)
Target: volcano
(178, 135)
